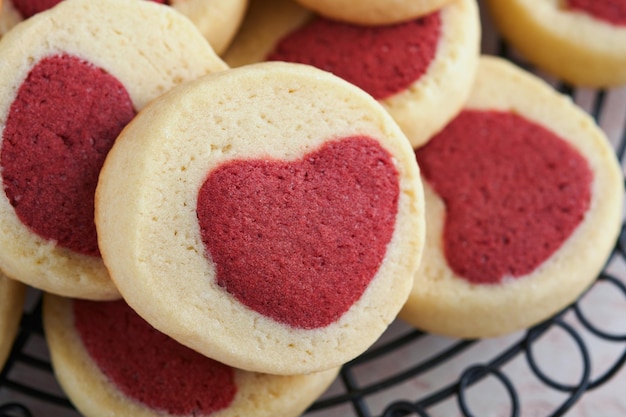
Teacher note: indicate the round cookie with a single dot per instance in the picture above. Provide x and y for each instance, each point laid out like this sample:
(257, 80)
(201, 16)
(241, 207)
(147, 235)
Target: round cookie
(421, 71)
(217, 20)
(66, 91)
(581, 42)
(269, 216)
(144, 373)
(12, 296)
(523, 207)
(374, 12)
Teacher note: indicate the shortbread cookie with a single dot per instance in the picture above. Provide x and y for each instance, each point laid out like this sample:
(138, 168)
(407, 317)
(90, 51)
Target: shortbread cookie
(269, 217)
(421, 71)
(217, 20)
(66, 91)
(580, 41)
(374, 12)
(109, 361)
(523, 206)
(12, 295)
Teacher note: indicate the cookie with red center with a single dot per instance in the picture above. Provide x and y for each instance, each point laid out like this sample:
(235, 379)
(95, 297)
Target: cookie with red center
(66, 91)
(523, 207)
(421, 70)
(580, 41)
(268, 216)
(374, 12)
(146, 373)
(12, 294)
(217, 20)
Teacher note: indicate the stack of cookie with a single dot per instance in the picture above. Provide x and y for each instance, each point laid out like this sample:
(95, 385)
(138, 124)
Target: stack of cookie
(217, 236)
(210, 240)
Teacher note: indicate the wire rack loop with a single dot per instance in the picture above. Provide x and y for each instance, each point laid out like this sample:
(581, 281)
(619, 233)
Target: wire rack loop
(14, 410)
(404, 408)
(478, 372)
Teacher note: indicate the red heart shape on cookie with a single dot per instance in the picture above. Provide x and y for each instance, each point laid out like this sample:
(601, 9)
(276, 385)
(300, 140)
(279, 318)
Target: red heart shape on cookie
(299, 241)
(382, 60)
(514, 191)
(59, 129)
(149, 366)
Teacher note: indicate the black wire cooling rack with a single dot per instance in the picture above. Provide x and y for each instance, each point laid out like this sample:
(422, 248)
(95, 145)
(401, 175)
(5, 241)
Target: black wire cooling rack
(543, 371)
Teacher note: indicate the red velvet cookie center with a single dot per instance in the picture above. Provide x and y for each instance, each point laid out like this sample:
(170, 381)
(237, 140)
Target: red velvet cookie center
(60, 127)
(147, 365)
(611, 11)
(28, 8)
(513, 191)
(382, 60)
(299, 241)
